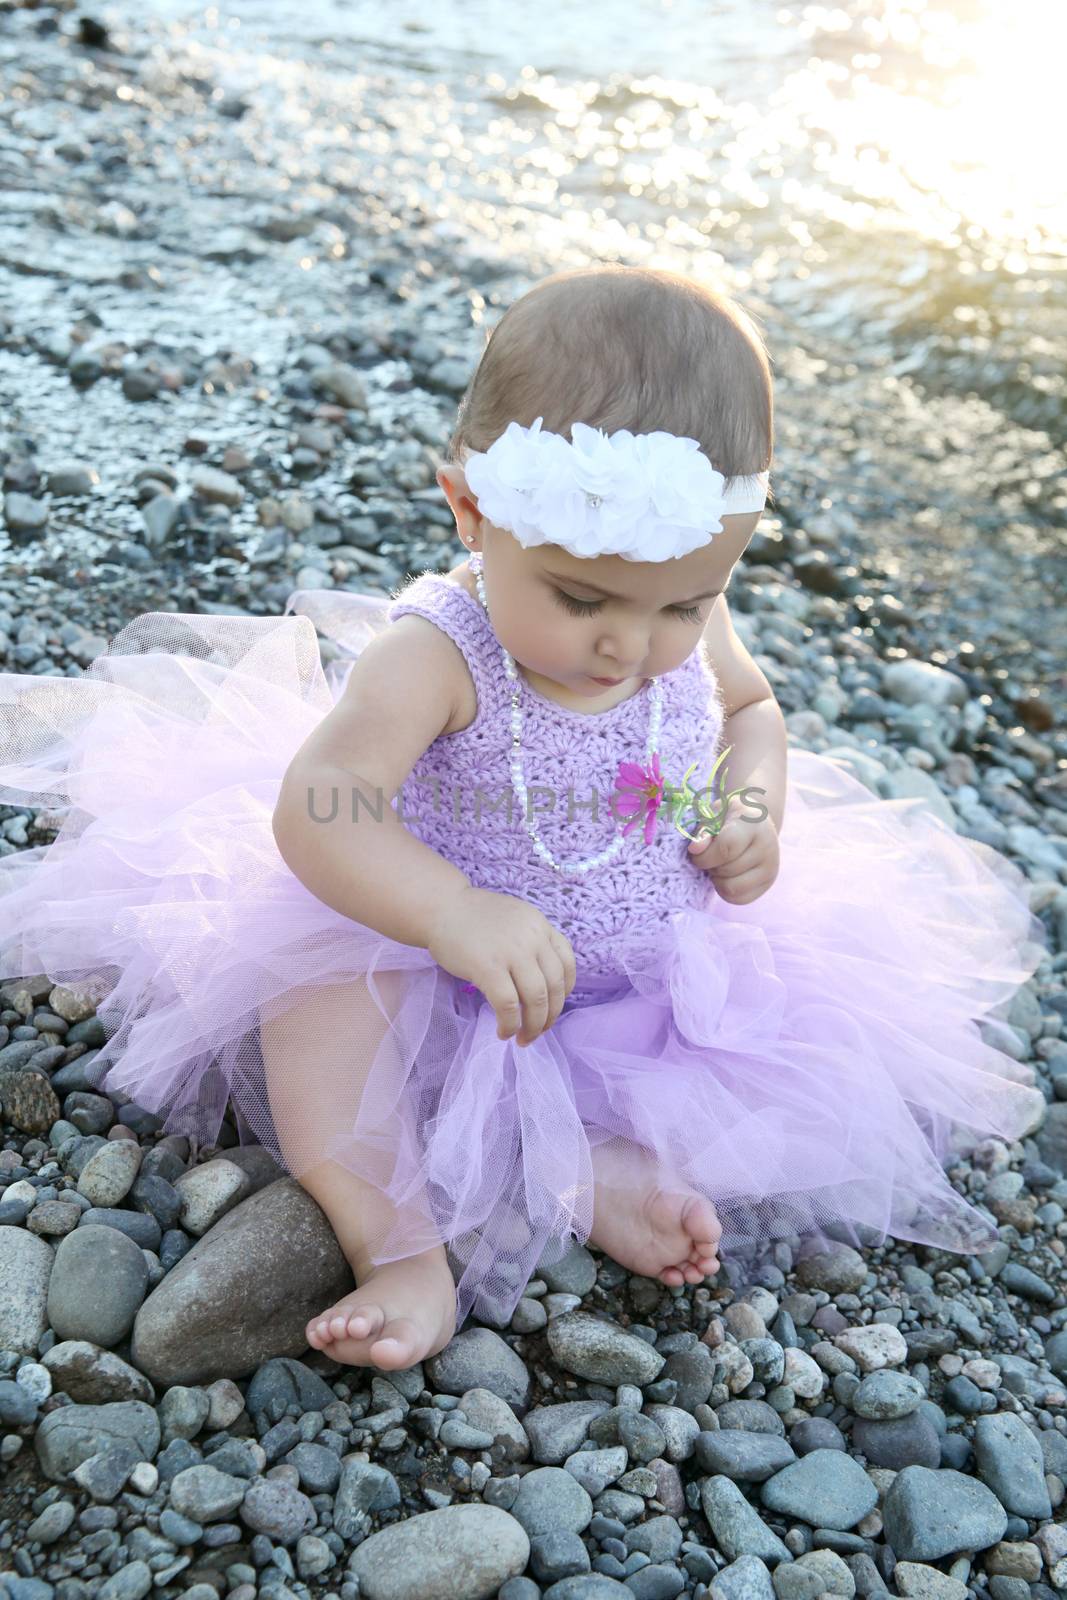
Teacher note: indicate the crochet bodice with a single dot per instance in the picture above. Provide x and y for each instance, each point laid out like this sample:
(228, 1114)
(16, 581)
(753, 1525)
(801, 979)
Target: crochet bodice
(458, 797)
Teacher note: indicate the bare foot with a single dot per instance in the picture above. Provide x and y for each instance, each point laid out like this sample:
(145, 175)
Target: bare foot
(670, 1235)
(401, 1312)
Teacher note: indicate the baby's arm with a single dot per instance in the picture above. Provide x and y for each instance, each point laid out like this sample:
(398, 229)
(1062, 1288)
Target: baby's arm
(754, 727)
(400, 694)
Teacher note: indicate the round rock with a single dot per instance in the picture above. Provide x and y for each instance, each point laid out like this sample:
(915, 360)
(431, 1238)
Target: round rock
(550, 1498)
(885, 1396)
(841, 1270)
(1010, 1462)
(877, 1344)
(277, 1509)
(461, 1552)
(592, 1348)
(480, 1358)
(205, 1494)
(97, 1286)
(108, 1176)
(747, 1578)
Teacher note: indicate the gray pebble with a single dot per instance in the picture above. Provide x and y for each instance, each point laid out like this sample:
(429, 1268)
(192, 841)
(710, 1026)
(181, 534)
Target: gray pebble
(840, 1270)
(131, 1582)
(550, 1498)
(480, 1358)
(793, 1582)
(825, 1488)
(97, 1285)
(909, 1442)
(750, 1416)
(747, 1578)
(1009, 1460)
(558, 1554)
(964, 1396)
(52, 1523)
(452, 1553)
(930, 1514)
(319, 1468)
(18, 1408)
(277, 1509)
(816, 1433)
(886, 1396)
(204, 1494)
(748, 1457)
(737, 1526)
(591, 1347)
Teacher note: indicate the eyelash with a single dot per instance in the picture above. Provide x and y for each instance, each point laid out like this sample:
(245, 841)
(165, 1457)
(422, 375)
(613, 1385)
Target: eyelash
(588, 608)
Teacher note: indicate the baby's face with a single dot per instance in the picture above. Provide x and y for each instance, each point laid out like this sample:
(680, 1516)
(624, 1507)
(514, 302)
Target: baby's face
(548, 614)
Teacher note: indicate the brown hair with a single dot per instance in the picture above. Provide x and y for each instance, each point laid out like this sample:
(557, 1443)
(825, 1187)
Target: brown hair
(626, 347)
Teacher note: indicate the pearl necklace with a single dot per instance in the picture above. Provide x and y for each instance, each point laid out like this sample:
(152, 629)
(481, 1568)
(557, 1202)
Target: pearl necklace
(518, 782)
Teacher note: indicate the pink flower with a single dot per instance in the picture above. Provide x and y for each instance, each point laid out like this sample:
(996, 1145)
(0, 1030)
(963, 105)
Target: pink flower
(639, 793)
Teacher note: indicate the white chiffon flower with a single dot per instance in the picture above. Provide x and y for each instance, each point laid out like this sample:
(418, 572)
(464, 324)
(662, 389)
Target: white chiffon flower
(646, 497)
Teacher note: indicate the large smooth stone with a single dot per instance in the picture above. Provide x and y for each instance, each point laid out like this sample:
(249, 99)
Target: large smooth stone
(245, 1292)
(930, 1514)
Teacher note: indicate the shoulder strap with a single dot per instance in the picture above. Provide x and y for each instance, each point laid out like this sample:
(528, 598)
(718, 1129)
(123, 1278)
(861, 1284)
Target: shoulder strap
(458, 614)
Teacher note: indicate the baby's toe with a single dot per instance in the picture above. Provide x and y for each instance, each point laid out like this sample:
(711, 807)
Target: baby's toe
(701, 1224)
(318, 1333)
(395, 1347)
(365, 1321)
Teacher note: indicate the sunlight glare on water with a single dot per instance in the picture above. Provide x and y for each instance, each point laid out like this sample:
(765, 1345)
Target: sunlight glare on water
(967, 135)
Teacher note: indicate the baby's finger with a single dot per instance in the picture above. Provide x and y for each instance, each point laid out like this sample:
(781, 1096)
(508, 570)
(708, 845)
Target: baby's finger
(748, 859)
(722, 846)
(740, 891)
(552, 967)
(533, 992)
(565, 950)
(503, 996)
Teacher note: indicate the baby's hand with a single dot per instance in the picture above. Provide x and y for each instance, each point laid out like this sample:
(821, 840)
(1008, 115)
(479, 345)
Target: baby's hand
(741, 859)
(510, 951)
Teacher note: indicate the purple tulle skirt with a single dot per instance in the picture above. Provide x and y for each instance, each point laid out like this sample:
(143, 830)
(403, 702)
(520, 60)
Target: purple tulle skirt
(808, 1061)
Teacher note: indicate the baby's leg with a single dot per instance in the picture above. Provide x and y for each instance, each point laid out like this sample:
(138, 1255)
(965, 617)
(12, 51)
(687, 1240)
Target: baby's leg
(318, 1055)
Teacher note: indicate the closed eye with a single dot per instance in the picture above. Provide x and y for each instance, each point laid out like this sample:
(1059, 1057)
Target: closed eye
(588, 608)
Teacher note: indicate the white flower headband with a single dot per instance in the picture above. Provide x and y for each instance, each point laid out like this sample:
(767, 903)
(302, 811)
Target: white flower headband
(643, 496)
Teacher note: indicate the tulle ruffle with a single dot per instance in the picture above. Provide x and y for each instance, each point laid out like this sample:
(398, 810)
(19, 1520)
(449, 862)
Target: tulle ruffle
(807, 1062)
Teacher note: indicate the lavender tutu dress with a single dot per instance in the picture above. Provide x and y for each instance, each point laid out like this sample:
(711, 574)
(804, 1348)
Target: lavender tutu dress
(807, 1061)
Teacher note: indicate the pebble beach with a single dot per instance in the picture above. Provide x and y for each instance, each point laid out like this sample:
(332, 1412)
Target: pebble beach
(243, 285)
